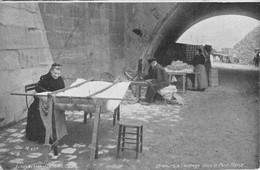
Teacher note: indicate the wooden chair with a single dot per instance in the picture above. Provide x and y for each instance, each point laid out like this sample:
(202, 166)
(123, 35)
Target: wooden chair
(29, 87)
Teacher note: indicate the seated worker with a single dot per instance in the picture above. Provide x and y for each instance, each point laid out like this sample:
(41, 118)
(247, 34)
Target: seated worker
(158, 83)
(52, 81)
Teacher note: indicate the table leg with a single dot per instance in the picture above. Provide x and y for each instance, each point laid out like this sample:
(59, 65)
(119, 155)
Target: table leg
(139, 91)
(184, 84)
(94, 144)
(54, 134)
(118, 113)
(195, 81)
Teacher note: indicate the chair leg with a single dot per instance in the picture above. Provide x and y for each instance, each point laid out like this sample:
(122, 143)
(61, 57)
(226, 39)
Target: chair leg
(141, 139)
(118, 113)
(137, 142)
(119, 140)
(114, 117)
(85, 117)
(123, 140)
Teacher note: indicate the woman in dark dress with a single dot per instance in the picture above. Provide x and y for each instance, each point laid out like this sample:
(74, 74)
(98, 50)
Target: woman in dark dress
(201, 82)
(35, 130)
(199, 67)
(257, 59)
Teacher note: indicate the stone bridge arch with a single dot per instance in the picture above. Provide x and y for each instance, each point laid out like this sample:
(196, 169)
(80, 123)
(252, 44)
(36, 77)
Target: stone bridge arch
(184, 15)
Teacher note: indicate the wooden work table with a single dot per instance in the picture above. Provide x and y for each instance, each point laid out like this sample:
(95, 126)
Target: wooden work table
(184, 77)
(88, 104)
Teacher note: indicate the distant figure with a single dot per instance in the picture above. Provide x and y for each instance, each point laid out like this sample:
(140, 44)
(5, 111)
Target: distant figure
(199, 67)
(257, 59)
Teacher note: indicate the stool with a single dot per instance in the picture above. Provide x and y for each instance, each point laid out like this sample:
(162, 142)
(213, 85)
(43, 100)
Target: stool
(134, 137)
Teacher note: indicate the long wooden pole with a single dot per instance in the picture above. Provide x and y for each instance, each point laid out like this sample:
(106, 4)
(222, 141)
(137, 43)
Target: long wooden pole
(94, 144)
(76, 97)
(71, 87)
(100, 91)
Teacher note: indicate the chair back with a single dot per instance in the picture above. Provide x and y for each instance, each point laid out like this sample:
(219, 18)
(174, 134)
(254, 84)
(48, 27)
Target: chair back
(29, 87)
(107, 76)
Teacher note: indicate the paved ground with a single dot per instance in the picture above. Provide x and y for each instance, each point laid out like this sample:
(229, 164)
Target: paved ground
(215, 129)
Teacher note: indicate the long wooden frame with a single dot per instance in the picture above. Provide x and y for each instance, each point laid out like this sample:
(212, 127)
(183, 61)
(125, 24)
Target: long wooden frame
(88, 104)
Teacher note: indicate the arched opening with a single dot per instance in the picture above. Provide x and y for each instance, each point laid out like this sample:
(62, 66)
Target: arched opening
(233, 38)
(185, 15)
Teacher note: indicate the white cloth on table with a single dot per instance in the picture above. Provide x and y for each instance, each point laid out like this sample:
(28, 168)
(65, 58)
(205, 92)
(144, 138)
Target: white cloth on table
(167, 92)
(91, 89)
(118, 91)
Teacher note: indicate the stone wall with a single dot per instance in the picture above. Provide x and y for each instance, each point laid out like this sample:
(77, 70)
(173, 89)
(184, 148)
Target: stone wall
(86, 38)
(91, 38)
(25, 55)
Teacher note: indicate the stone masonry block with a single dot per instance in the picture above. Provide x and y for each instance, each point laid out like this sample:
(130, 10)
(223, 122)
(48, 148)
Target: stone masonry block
(78, 11)
(53, 8)
(28, 58)
(100, 26)
(2, 34)
(44, 56)
(119, 16)
(67, 24)
(17, 79)
(49, 22)
(9, 60)
(94, 13)
(16, 37)
(108, 5)
(116, 41)
(13, 5)
(13, 107)
(116, 28)
(19, 17)
(109, 15)
(13, 80)
(42, 7)
(38, 38)
(31, 7)
(118, 6)
(117, 53)
(118, 66)
(38, 22)
(100, 41)
(55, 40)
(66, 10)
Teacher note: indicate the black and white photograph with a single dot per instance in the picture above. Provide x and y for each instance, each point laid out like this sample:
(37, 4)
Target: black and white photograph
(129, 85)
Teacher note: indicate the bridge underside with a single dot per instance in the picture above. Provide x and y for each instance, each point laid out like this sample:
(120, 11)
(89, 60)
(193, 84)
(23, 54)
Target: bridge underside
(185, 15)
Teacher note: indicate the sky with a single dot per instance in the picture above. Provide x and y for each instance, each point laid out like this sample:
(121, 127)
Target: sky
(220, 32)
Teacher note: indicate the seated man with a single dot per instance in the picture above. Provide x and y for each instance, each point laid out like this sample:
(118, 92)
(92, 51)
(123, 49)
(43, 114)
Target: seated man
(159, 83)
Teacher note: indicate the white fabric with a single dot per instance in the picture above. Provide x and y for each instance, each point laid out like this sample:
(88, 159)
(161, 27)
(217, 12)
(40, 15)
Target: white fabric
(118, 90)
(167, 92)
